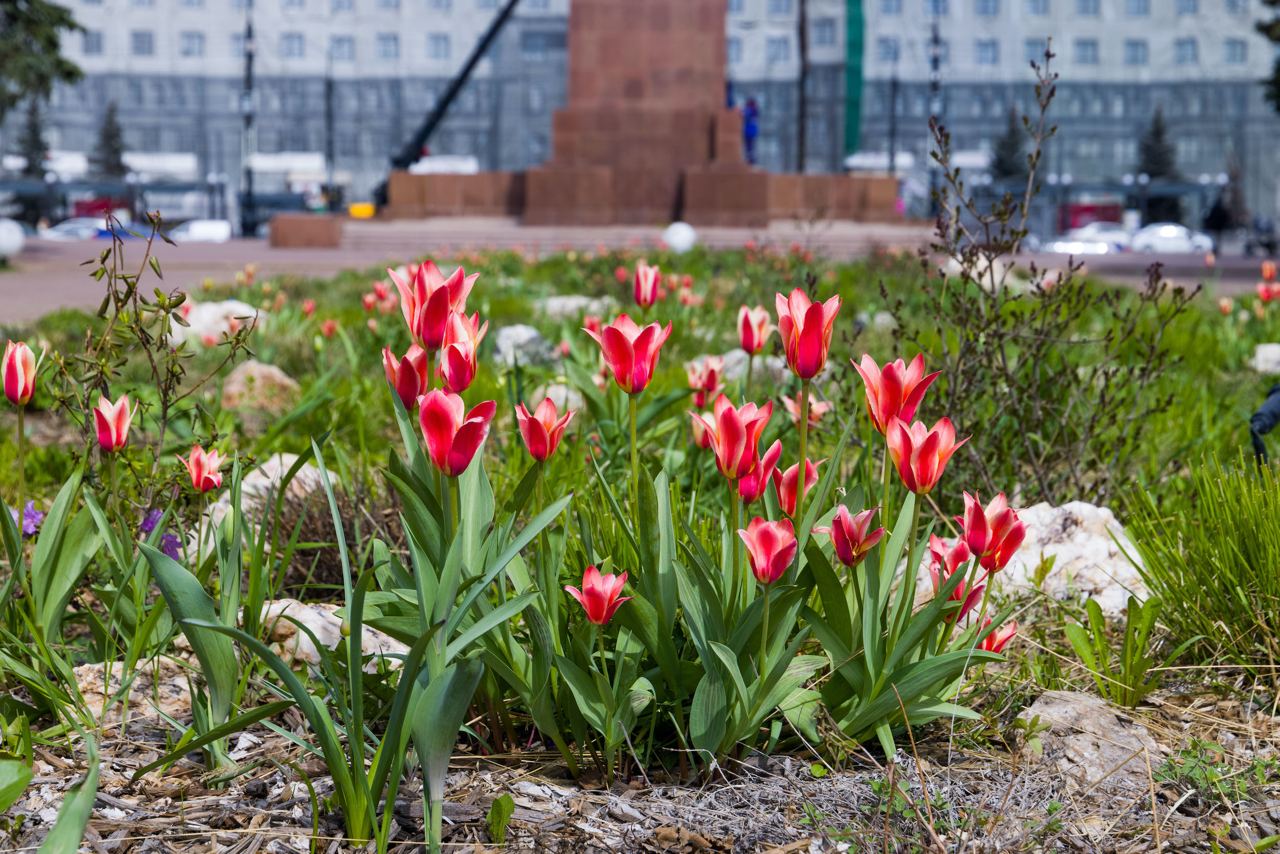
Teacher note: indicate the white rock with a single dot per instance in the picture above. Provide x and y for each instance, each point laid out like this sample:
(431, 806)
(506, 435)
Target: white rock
(12, 238)
(214, 319)
(1266, 359)
(1088, 547)
(258, 489)
(574, 306)
(522, 345)
(680, 237)
(1091, 746)
(564, 396)
(293, 645)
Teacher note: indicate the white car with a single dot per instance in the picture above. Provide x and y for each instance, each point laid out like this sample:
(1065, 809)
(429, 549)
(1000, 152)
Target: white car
(202, 231)
(77, 228)
(1112, 233)
(1170, 238)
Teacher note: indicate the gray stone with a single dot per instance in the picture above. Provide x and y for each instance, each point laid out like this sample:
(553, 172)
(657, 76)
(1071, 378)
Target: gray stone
(1266, 359)
(259, 392)
(574, 306)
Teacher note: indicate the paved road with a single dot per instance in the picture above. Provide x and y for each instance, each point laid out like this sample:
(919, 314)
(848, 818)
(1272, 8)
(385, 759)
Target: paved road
(48, 275)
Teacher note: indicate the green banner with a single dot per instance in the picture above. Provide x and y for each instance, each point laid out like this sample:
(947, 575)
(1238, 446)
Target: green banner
(854, 43)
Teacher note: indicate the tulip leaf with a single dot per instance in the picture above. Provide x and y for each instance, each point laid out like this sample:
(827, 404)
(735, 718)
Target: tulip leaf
(77, 805)
(708, 714)
(14, 777)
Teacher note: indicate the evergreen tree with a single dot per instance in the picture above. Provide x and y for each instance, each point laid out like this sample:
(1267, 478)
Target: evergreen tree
(1158, 160)
(1271, 29)
(31, 143)
(1009, 160)
(107, 160)
(31, 33)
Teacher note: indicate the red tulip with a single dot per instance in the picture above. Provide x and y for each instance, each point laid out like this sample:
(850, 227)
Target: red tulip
(771, 546)
(203, 468)
(993, 533)
(462, 339)
(369, 301)
(645, 285)
(997, 640)
(428, 298)
(735, 435)
(329, 328)
(785, 483)
(631, 352)
(921, 454)
(817, 409)
(944, 563)
(754, 328)
(621, 274)
(704, 378)
(19, 373)
(751, 486)
(453, 435)
(599, 595)
(851, 536)
(112, 420)
(894, 391)
(805, 328)
(308, 307)
(1225, 305)
(381, 291)
(592, 323)
(541, 430)
(408, 375)
(701, 437)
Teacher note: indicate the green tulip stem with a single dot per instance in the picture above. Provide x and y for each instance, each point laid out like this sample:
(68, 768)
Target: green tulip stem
(804, 446)
(764, 636)
(635, 460)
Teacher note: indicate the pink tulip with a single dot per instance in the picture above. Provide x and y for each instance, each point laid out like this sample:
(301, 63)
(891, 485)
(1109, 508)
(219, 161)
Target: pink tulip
(751, 486)
(997, 640)
(369, 301)
(921, 454)
(646, 284)
(381, 291)
(592, 323)
(894, 391)
(308, 307)
(621, 274)
(805, 328)
(754, 328)
(112, 421)
(993, 533)
(329, 328)
(735, 435)
(771, 546)
(851, 535)
(19, 373)
(408, 375)
(817, 409)
(704, 378)
(541, 430)
(599, 595)
(944, 563)
(701, 437)
(452, 434)
(461, 341)
(785, 483)
(203, 468)
(631, 352)
(428, 298)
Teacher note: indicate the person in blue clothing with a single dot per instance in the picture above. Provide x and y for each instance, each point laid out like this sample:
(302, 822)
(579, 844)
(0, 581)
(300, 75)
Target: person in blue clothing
(750, 129)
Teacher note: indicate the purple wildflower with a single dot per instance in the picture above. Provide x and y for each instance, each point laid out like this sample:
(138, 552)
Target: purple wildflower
(32, 519)
(171, 545)
(150, 521)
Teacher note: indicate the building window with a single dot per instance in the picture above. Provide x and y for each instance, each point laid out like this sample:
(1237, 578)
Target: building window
(1038, 8)
(142, 43)
(438, 46)
(824, 32)
(779, 7)
(93, 2)
(735, 8)
(293, 4)
(538, 4)
(1086, 51)
(1137, 8)
(1186, 52)
(733, 49)
(887, 49)
(342, 48)
(389, 4)
(292, 45)
(144, 2)
(1235, 7)
(91, 42)
(1188, 7)
(442, 5)
(1035, 49)
(986, 8)
(777, 49)
(193, 3)
(191, 44)
(1088, 8)
(890, 7)
(935, 8)
(1135, 52)
(388, 46)
(987, 52)
(944, 52)
(237, 44)
(1235, 51)
(336, 6)
(535, 101)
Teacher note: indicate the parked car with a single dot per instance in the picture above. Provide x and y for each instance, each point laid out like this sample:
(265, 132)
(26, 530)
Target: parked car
(1171, 238)
(201, 231)
(76, 228)
(1066, 245)
(1112, 233)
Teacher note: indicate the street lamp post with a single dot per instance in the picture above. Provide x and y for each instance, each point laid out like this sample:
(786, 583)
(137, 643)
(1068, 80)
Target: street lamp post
(248, 211)
(935, 107)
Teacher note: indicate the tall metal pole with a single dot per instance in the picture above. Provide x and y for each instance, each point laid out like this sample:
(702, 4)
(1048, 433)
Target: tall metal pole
(248, 209)
(802, 95)
(330, 191)
(893, 121)
(935, 107)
